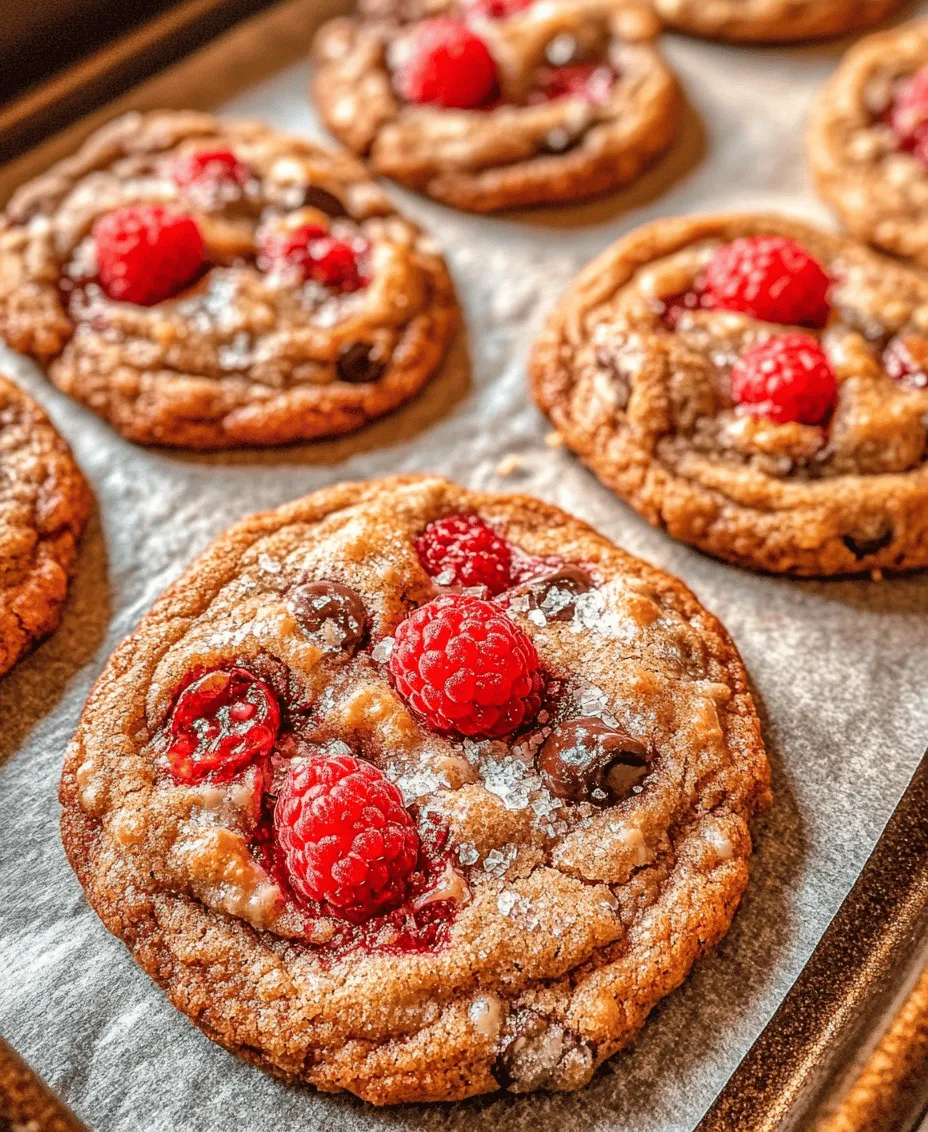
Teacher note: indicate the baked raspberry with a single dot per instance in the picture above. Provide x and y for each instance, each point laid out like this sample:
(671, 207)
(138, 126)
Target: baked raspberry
(346, 839)
(448, 65)
(147, 253)
(771, 278)
(463, 550)
(787, 378)
(466, 668)
(590, 81)
(222, 722)
(906, 360)
(497, 9)
(209, 167)
(310, 250)
(908, 115)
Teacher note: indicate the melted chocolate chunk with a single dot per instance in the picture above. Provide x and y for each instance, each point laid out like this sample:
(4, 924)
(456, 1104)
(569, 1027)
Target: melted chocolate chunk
(556, 591)
(326, 202)
(357, 365)
(586, 760)
(862, 547)
(331, 609)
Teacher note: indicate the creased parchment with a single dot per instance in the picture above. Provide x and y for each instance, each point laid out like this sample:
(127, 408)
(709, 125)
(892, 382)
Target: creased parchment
(839, 667)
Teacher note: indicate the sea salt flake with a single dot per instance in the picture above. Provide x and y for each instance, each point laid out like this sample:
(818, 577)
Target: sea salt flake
(382, 650)
(467, 853)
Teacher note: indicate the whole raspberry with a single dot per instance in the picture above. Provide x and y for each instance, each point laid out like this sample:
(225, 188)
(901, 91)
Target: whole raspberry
(462, 665)
(908, 115)
(312, 252)
(347, 840)
(463, 550)
(448, 65)
(787, 378)
(221, 723)
(209, 167)
(147, 253)
(771, 278)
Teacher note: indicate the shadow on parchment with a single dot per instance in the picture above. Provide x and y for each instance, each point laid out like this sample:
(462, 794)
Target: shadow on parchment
(687, 152)
(688, 1030)
(450, 386)
(32, 688)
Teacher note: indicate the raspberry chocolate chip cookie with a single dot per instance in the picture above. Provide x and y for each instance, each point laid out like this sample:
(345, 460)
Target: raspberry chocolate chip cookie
(772, 21)
(418, 793)
(44, 503)
(210, 284)
(868, 141)
(755, 386)
(500, 103)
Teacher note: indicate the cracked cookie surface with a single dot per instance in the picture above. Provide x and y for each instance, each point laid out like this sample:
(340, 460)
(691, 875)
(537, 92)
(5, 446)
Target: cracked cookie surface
(44, 503)
(543, 137)
(251, 352)
(570, 873)
(640, 386)
(772, 21)
(860, 164)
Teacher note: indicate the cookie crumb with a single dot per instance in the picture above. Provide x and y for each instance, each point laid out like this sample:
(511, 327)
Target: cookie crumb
(508, 465)
(554, 439)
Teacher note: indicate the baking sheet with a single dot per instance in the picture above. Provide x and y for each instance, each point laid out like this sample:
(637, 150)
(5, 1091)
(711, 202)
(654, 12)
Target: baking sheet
(838, 666)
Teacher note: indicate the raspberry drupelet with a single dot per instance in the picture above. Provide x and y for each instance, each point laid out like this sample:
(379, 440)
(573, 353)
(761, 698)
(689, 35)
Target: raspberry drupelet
(771, 278)
(345, 837)
(785, 379)
(463, 550)
(313, 253)
(147, 253)
(465, 668)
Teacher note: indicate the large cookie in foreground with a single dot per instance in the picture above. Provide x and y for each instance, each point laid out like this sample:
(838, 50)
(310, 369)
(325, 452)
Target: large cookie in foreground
(210, 284)
(44, 503)
(773, 21)
(868, 141)
(501, 103)
(753, 385)
(417, 792)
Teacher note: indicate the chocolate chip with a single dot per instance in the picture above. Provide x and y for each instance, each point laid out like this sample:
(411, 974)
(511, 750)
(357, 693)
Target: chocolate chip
(326, 202)
(863, 547)
(332, 610)
(555, 592)
(357, 365)
(586, 760)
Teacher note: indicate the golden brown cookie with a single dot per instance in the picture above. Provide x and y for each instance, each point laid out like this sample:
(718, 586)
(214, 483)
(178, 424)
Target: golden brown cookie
(575, 99)
(417, 792)
(772, 21)
(753, 385)
(44, 502)
(211, 284)
(867, 143)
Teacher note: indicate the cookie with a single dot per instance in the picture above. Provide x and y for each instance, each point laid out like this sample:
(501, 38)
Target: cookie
(44, 503)
(210, 284)
(499, 103)
(417, 792)
(868, 141)
(754, 386)
(772, 21)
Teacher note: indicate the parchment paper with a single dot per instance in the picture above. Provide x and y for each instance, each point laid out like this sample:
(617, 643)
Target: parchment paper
(839, 666)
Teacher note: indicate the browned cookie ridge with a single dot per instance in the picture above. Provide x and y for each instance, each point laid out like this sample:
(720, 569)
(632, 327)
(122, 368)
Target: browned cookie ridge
(773, 21)
(246, 354)
(557, 896)
(44, 502)
(639, 384)
(863, 165)
(545, 137)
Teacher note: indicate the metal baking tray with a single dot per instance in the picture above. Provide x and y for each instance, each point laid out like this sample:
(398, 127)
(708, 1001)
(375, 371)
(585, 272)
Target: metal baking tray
(773, 1030)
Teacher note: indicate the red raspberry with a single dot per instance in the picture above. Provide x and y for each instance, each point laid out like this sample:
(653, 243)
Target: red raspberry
(346, 838)
(497, 9)
(590, 81)
(315, 254)
(147, 253)
(209, 167)
(462, 665)
(908, 115)
(787, 378)
(468, 550)
(448, 66)
(221, 723)
(771, 278)
(906, 360)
